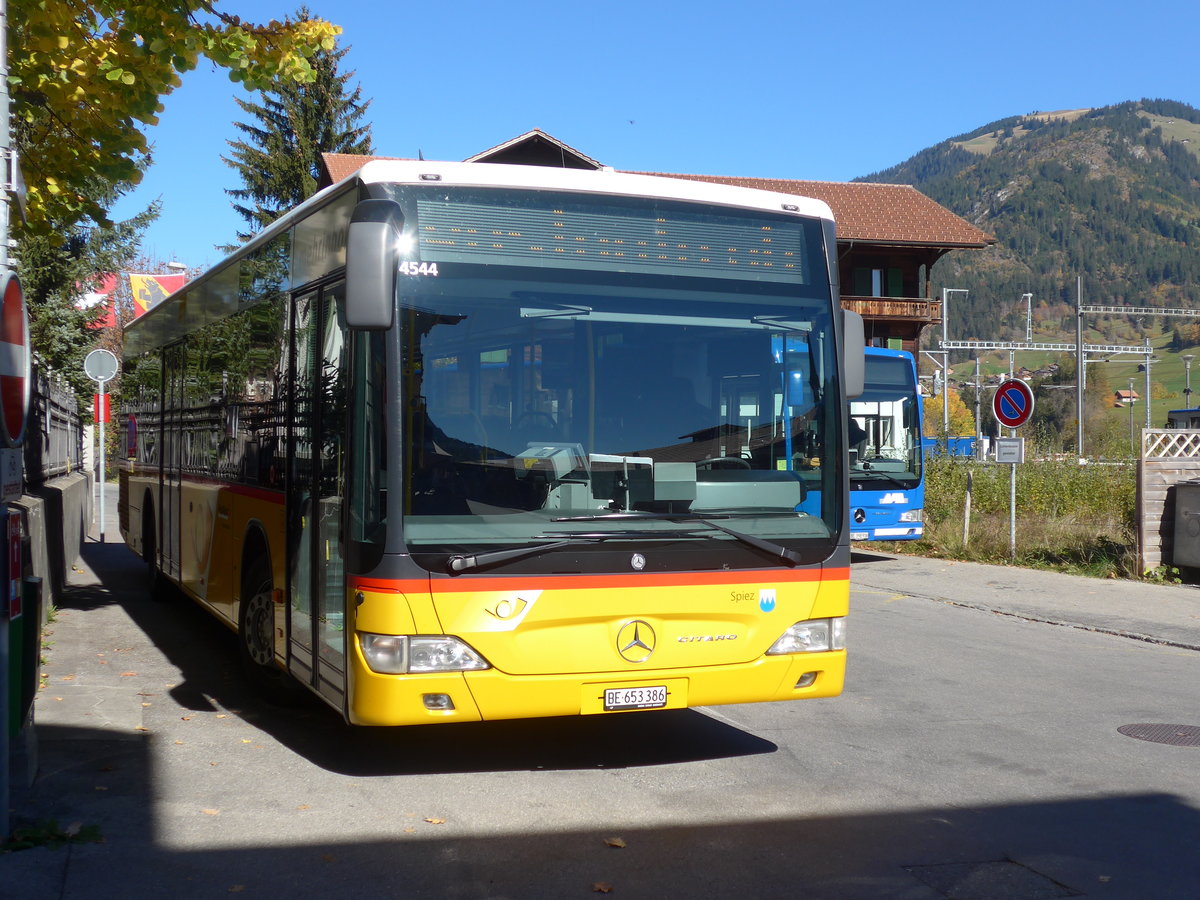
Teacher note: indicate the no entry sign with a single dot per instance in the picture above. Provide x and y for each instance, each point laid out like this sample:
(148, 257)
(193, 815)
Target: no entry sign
(14, 360)
(1013, 403)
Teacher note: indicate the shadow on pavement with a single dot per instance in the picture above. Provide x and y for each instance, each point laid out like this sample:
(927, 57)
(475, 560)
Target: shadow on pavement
(205, 652)
(1114, 846)
(861, 557)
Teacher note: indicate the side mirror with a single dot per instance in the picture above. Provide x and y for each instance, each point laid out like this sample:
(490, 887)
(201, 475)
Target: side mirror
(371, 263)
(854, 354)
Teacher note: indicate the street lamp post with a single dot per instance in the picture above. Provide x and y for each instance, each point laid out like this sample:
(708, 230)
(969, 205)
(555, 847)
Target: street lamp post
(1187, 378)
(1129, 399)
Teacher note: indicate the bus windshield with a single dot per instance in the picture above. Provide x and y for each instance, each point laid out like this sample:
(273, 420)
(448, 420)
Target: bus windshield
(540, 405)
(885, 426)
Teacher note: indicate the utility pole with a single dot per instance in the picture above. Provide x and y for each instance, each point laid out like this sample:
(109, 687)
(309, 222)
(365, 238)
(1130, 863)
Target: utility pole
(978, 427)
(1130, 401)
(946, 292)
(1146, 399)
(1080, 364)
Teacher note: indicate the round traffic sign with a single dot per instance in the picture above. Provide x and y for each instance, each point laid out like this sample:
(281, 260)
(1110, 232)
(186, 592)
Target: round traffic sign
(14, 360)
(100, 365)
(1012, 403)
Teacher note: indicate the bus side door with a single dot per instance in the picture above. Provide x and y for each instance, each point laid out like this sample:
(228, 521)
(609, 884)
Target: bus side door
(317, 461)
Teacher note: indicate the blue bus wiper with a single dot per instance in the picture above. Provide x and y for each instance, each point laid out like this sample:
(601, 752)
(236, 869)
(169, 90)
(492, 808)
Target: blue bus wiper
(778, 551)
(876, 473)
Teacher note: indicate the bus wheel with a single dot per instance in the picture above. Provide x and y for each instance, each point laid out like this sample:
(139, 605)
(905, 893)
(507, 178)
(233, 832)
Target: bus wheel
(152, 578)
(256, 636)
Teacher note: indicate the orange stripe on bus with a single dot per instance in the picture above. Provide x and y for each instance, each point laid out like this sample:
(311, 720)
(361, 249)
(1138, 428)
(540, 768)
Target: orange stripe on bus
(586, 582)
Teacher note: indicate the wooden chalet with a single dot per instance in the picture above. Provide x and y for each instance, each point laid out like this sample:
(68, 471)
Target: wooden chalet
(889, 235)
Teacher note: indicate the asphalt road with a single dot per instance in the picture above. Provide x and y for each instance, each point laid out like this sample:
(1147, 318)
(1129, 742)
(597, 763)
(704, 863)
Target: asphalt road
(975, 754)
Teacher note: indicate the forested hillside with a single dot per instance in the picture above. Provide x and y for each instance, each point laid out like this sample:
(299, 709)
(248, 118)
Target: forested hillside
(1110, 195)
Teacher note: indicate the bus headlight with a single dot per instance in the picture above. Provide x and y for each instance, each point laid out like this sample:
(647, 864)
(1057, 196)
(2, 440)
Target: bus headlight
(811, 636)
(912, 515)
(392, 654)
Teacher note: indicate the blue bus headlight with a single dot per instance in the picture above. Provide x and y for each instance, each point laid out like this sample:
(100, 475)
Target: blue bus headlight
(811, 636)
(392, 654)
(912, 515)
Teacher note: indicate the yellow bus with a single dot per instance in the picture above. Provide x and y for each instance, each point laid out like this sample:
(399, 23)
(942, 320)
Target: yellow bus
(456, 442)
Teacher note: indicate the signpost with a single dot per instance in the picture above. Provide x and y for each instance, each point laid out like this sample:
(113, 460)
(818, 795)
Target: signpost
(14, 407)
(1012, 404)
(14, 360)
(100, 366)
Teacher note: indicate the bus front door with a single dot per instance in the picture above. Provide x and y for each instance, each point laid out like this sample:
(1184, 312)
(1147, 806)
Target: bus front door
(316, 611)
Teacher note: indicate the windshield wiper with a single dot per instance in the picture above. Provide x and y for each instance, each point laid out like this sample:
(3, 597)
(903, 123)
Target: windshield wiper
(459, 563)
(875, 473)
(778, 551)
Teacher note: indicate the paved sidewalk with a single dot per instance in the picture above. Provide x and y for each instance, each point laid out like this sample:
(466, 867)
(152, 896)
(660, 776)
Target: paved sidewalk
(1161, 613)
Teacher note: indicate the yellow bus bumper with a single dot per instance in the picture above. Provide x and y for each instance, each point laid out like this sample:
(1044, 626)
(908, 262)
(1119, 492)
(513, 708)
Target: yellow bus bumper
(491, 694)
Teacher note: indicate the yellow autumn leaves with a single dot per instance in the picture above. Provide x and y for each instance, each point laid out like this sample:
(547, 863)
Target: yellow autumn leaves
(86, 77)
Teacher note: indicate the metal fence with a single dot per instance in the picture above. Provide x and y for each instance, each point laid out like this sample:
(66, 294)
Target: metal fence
(54, 432)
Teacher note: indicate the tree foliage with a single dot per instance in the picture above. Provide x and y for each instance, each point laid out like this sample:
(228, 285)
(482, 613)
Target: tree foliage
(295, 122)
(55, 271)
(961, 419)
(85, 78)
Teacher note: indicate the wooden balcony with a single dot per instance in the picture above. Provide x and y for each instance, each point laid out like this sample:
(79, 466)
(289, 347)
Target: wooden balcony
(907, 309)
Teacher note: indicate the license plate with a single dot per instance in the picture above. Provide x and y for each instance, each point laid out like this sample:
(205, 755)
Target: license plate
(653, 697)
(859, 535)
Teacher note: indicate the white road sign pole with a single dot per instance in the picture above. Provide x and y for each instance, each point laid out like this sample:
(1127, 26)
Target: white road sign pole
(101, 366)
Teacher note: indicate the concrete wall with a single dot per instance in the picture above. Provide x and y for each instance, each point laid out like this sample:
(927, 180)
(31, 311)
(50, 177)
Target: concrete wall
(57, 516)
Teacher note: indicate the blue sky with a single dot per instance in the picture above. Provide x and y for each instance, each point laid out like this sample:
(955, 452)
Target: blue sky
(824, 91)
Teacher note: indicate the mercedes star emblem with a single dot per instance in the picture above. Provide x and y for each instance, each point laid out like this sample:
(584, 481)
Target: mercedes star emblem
(635, 641)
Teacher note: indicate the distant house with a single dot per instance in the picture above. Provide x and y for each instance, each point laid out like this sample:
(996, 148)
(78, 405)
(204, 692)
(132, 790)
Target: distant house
(1126, 398)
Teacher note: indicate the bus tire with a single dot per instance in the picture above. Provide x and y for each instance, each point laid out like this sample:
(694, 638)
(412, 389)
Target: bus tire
(153, 577)
(256, 636)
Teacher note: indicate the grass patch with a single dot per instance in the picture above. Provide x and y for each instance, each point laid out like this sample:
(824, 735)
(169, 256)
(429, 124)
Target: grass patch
(1070, 518)
(48, 834)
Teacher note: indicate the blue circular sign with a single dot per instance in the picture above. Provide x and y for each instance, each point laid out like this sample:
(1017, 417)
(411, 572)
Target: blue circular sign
(1013, 403)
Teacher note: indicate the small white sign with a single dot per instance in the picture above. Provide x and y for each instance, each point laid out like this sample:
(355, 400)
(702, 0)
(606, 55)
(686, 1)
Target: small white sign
(12, 474)
(1010, 450)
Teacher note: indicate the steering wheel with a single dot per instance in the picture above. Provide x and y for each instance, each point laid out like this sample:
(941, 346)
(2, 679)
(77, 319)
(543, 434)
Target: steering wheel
(723, 462)
(532, 415)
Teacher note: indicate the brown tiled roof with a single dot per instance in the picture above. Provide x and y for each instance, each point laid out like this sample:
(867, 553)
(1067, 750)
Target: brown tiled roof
(342, 165)
(895, 214)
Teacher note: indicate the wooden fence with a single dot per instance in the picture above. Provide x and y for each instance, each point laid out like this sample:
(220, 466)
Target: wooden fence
(1169, 456)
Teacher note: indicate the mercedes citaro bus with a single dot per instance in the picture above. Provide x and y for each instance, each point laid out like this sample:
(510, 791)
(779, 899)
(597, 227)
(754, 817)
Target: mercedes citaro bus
(453, 442)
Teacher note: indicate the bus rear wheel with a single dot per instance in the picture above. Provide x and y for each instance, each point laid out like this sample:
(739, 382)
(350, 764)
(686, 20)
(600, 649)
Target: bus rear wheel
(152, 579)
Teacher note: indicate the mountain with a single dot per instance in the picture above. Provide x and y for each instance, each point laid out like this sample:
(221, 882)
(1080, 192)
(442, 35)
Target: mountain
(1109, 195)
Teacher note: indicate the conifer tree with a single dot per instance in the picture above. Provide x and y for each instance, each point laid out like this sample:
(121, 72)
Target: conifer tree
(278, 160)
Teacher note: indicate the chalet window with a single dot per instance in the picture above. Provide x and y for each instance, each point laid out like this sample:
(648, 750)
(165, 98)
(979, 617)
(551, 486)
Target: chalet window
(878, 282)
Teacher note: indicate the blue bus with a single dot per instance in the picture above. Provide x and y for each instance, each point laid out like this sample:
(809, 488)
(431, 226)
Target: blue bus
(887, 478)
(886, 458)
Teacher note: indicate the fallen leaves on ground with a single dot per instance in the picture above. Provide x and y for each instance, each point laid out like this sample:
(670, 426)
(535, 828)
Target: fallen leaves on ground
(601, 887)
(615, 842)
(435, 820)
